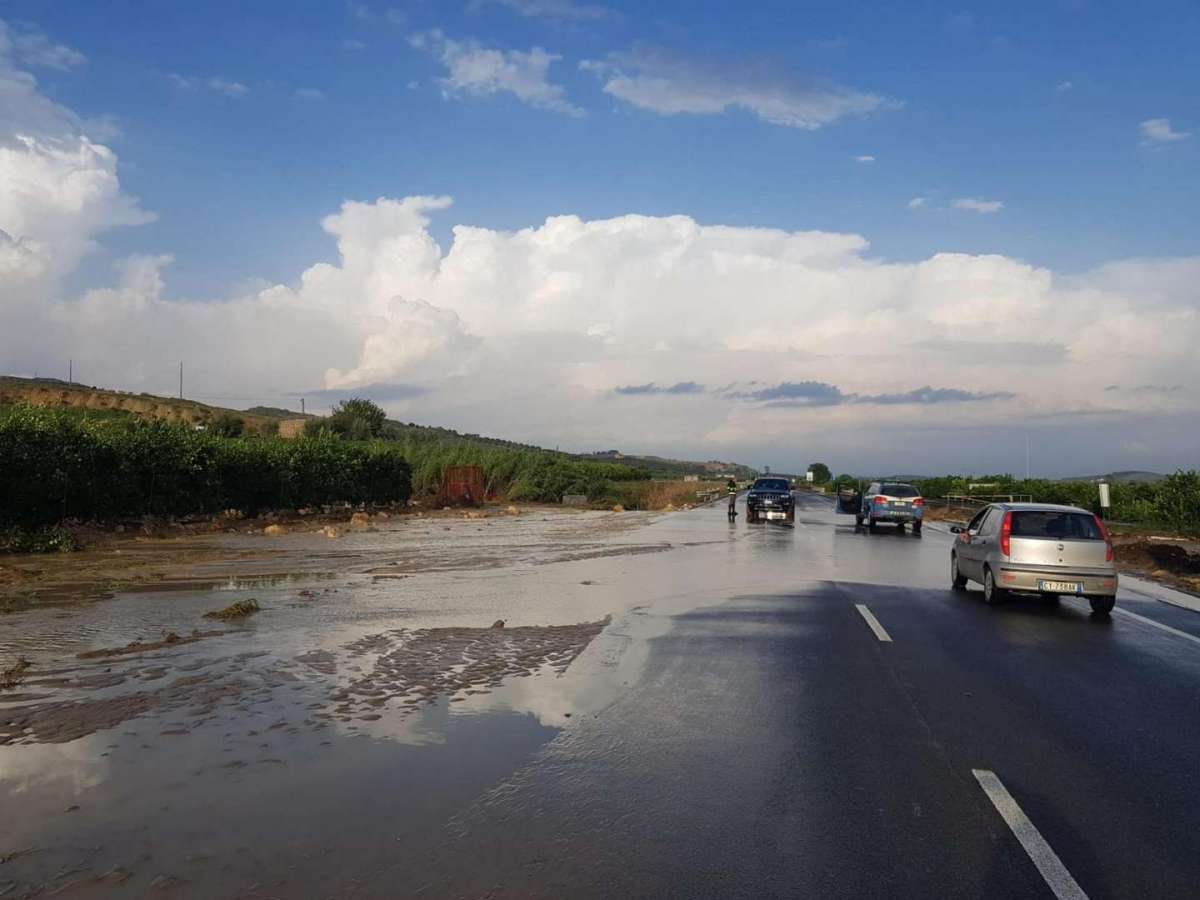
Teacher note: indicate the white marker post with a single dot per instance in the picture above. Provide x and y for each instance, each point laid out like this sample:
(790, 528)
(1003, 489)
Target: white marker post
(1105, 499)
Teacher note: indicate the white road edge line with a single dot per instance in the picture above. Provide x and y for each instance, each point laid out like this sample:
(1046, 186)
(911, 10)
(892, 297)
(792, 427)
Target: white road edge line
(873, 622)
(1053, 871)
(1151, 622)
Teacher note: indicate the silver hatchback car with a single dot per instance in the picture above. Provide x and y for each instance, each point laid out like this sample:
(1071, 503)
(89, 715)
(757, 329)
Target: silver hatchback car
(1038, 547)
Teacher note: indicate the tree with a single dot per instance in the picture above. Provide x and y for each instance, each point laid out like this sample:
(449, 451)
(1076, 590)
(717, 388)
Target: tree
(357, 419)
(845, 480)
(226, 424)
(821, 473)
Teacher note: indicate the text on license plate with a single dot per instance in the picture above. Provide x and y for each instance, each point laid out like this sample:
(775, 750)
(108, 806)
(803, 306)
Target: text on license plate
(776, 515)
(1061, 587)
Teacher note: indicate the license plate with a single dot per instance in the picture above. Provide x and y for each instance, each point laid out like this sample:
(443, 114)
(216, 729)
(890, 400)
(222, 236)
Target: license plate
(1061, 587)
(899, 505)
(776, 515)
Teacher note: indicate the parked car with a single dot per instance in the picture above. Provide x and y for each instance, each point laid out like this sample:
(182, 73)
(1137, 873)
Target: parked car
(887, 501)
(770, 499)
(1040, 547)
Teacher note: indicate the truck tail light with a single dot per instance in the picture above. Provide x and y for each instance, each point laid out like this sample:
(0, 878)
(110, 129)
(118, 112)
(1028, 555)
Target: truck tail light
(920, 501)
(1006, 534)
(880, 501)
(1108, 547)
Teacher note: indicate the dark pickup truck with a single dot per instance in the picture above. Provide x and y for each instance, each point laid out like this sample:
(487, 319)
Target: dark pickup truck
(770, 499)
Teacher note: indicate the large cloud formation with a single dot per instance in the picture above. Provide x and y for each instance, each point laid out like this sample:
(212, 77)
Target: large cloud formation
(654, 333)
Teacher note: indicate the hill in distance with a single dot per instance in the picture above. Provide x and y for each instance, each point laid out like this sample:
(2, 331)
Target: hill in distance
(54, 392)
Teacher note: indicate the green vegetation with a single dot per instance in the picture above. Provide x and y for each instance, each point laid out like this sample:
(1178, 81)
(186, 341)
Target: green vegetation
(821, 473)
(227, 424)
(37, 540)
(1173, 502)
(56, 465)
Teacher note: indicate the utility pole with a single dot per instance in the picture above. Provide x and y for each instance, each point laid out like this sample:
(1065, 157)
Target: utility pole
(70, 372)
(181, 379)
(302, 406)
(1027, 456)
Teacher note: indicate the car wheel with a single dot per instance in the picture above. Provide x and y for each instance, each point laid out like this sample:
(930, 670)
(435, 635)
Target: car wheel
(871, 525)
(858, 520)
(900, 527)
(992, 595)
(957, 579)
(1102, 606)
(917, 527)
(791, 516)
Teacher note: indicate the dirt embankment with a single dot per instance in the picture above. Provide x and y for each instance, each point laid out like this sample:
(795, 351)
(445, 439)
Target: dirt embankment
(1174, 563)
(147, 406)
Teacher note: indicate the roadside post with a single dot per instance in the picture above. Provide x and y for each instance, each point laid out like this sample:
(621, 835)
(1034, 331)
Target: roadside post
(809, 477)
(1105, 499)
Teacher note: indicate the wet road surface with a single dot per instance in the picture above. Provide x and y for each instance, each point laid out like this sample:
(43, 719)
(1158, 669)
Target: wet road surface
(770, 711)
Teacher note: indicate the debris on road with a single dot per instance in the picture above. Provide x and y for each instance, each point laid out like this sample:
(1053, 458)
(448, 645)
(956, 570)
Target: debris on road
(239, 610)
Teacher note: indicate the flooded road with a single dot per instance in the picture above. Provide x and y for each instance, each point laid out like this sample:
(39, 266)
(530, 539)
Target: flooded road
(592, 704)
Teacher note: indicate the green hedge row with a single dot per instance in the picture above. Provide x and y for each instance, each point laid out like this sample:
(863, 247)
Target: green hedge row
(518, 474)
(1173, 502)
(56, 465)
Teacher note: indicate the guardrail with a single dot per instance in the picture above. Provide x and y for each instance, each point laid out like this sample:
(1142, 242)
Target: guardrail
(967, 501)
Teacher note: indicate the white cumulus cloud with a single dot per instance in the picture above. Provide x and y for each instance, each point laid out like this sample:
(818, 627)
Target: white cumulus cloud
(665, 83)
(478, 71)
(865, 158)
(918, 202)
(661, 331)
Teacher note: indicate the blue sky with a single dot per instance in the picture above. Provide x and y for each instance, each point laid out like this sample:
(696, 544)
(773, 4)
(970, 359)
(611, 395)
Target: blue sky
(898, 236)
(239, 181)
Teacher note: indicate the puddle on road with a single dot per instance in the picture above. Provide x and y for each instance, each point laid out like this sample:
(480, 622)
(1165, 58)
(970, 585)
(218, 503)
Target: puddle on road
(344, 721)
(335, 731)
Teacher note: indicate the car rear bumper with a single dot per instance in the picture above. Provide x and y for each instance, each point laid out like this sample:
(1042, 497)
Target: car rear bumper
(1092, 582)
(897, 515)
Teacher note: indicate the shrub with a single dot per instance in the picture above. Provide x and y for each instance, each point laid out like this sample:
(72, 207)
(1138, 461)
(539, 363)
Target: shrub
(226, 424)
(55, 466)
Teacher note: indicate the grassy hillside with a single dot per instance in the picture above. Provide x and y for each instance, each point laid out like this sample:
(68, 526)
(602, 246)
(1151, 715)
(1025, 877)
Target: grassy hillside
(57, 394)
(661, 467)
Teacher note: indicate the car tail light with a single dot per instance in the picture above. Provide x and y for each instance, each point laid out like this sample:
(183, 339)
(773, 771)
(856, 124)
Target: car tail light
(1108, 547)
(920, 501)
(880, 501)
(1006, 534)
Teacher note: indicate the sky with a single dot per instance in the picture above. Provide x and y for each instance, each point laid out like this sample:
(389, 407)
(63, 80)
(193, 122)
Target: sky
(893, 238)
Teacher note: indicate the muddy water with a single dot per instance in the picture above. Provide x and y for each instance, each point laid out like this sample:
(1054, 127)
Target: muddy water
(323, 744)
(303, 747)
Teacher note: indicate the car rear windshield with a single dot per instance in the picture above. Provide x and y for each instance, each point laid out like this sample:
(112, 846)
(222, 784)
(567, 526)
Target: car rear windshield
(1056, 525)
(771, 484)
(899, 490)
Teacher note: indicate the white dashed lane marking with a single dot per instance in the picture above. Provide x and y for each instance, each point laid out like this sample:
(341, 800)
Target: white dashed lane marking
(873, 622)
(1053, 871)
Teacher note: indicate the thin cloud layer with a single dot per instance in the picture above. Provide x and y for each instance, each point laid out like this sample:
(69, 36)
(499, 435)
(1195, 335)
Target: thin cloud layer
(1159, 131)
(656, 80)
(978, 205)
(554, 10)
(478, 71)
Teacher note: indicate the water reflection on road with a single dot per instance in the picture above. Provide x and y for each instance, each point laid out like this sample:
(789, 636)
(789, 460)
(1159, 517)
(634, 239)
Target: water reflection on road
(369, 701)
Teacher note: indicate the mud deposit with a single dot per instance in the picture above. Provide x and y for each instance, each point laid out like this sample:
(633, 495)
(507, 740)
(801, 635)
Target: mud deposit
(386, 677)
(421, 666)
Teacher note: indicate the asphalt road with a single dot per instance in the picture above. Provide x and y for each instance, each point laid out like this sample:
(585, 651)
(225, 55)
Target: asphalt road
(802, 711)
(775, 744)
